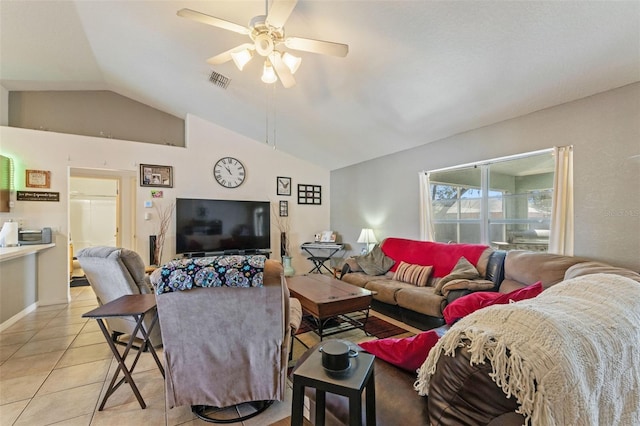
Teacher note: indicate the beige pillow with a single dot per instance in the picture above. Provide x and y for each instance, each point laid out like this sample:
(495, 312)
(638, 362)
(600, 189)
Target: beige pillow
(413, 274)
(463, 270)
(375, 262)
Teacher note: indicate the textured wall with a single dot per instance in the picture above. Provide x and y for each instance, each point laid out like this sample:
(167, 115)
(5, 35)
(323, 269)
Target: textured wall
(98, 113)
(65, 154)
(604, 129)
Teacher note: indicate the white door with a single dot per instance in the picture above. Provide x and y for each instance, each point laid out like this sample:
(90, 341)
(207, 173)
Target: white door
(94, 212)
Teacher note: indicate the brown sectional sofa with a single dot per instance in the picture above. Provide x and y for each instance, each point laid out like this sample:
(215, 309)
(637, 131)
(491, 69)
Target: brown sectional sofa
(461, 393)
(422, 307)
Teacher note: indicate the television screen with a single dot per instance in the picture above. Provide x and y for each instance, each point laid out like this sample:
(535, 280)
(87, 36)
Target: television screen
(221, 225)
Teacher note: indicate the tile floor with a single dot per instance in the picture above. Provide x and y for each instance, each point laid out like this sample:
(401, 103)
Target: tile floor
(55, 366)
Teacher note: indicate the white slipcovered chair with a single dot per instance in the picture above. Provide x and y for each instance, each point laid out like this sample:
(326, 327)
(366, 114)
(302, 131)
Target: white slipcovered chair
(113, 272)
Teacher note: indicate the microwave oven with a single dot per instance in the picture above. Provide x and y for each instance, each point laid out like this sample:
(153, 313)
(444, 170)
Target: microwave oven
(34, 236)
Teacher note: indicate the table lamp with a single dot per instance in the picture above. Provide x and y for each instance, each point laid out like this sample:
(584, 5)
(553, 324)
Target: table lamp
(367, 237)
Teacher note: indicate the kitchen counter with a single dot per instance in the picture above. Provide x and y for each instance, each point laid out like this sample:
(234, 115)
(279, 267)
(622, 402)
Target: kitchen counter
(23, 278)
(7, 253)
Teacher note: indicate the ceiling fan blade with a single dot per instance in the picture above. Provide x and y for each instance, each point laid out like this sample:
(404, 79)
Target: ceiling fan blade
(280, 11)
(284, 73)
(226, 56)
(211, 20)
(317, 46)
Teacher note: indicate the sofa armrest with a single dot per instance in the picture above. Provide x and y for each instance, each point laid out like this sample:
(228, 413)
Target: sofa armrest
(484, 401)
(495, 268)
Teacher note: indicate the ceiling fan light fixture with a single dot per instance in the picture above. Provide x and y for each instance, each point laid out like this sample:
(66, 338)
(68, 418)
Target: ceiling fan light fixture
(241, 58)
(267, 33)
(292, 62)
(268, 73)
(264, 44)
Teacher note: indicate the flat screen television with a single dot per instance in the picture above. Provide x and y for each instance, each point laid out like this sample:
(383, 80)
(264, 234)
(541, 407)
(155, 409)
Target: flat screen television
(205, 226)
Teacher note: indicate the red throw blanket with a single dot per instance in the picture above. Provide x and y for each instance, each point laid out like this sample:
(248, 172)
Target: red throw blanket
(443, 257)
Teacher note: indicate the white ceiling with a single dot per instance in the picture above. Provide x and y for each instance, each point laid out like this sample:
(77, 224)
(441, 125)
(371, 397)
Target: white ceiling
(417, 71)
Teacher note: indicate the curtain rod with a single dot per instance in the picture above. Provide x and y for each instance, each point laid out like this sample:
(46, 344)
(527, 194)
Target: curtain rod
(494, 160)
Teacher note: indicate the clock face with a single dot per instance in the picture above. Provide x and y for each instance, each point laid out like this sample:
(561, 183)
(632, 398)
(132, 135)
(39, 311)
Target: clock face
(229, 172)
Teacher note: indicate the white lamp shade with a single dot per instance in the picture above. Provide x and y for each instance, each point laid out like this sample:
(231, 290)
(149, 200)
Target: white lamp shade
(241, 58)
(292, 62)
(367, 236)
(268, 73)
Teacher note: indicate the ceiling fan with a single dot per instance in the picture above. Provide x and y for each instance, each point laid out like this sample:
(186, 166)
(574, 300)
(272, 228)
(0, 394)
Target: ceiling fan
(267, 39)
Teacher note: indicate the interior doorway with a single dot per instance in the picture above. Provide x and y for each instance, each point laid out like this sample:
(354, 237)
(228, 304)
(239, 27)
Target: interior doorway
(93, 212)
(101, 212)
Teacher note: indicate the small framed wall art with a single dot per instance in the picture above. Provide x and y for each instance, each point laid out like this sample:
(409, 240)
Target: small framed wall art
(284, 208)
(38, 179)
(284, 185)
(309, 194)
(159, 176)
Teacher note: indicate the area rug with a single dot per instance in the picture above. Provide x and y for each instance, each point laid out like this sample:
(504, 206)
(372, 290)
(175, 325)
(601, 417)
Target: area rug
(287, 422)
(377, 327)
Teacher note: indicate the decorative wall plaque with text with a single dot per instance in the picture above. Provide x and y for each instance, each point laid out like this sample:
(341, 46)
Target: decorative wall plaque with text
(37, 196)
(38, 179)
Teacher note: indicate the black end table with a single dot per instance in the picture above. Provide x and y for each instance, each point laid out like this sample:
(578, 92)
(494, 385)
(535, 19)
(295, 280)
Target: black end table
(350, 384)
(136, 306)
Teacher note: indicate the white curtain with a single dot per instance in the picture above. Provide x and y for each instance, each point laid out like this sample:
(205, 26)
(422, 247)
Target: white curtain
(562, 232)
(427, 233)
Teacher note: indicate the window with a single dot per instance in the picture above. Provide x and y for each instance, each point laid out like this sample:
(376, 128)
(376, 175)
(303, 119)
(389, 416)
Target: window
(505, 203)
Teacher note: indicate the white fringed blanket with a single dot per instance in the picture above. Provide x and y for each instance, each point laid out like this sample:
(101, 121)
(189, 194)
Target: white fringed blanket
(571, 356)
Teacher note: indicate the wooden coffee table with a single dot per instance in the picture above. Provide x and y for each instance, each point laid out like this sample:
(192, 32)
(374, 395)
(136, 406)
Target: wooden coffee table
(324, 298)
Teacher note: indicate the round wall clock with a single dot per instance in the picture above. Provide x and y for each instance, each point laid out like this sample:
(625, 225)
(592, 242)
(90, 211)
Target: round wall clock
(229, 172)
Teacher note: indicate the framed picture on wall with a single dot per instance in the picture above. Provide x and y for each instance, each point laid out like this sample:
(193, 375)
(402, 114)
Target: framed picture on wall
(284, 185)
(38, 179)
(309, 194)
(153, 175)
(284, 208)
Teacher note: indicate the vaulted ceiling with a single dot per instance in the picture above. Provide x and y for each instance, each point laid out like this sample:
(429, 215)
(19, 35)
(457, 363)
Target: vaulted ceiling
(417, 71)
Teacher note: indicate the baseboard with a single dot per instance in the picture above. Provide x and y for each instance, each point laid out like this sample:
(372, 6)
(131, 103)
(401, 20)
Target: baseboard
(17, 317)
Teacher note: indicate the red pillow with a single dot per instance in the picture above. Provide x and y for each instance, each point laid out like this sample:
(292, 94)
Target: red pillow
(470, 303)
(407, 353)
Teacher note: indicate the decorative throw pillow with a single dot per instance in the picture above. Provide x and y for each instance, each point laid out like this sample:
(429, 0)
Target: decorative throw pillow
(528, 292)
(470, 303)
(375, 262)
(214, 271)
(463, 270)
(413, 274)
(407, 353)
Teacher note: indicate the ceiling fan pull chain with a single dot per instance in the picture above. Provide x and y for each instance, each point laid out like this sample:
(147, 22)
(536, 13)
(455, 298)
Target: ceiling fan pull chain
(270, 106)
(266, 116)
(275, 116)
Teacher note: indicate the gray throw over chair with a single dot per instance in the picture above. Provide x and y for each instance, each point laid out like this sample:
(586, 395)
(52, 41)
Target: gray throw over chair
(227, 346)
(114, 272)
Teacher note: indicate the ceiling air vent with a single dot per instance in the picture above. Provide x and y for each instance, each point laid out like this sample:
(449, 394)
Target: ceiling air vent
(219, 80)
